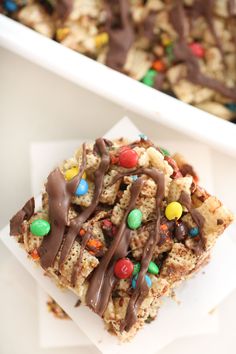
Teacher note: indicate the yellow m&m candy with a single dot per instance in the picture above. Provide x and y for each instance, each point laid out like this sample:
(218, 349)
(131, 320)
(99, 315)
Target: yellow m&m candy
(101, 39)
(72, 172)
(173, 211)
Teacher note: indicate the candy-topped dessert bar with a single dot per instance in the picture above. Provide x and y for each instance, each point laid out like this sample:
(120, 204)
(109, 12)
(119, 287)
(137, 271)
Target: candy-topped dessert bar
(185, 48)
(121, 225)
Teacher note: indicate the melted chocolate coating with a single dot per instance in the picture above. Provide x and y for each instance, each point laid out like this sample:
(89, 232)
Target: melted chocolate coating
(60, 193)
(77, 222)
(121, 33)
(24, 214)
(147, 28)
(185, 200)
(63, 8)
(141, 290)
(103, 279)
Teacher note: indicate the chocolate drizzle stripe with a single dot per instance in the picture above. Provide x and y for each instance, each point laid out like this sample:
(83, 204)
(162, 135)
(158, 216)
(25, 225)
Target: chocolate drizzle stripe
(141, 290)
(60, 193)
(121, 33)
(77, 222)
(183, 53)
(185, 200)
(78, 265)
(103, 279)
(24, 214)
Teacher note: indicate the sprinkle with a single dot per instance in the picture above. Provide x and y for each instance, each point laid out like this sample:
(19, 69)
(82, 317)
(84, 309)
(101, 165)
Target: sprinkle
(143, 137)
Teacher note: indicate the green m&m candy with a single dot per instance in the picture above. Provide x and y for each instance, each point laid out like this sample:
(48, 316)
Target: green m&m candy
(164, 151)
(137, 267)
(149, 77)
(153, 268)
(40, 227)
(134, 219)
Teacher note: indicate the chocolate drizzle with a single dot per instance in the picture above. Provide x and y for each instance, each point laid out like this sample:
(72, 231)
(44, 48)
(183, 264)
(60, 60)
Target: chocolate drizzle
(77, 222)
(78, 265)
(63, 8)
(103, 279)
(141, 290)
(24, 214)
(183, 53)
(121, 33)
(147, 28)
(185, 200)
(60, 193)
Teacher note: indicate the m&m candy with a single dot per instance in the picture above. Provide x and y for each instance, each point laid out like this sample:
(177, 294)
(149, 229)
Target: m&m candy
(134, 219)
(149, 78)
(197, 49)
(72, 172)
(164, 151)
(173, 210)
(194, 231)
(159, 65)
(10, 6)
(40, 227)
(152, 268)
(62, 33)
(143, 137)
(134, 178)
(82, 188)
(128, 158)
(123, 268)
(147, 278)
(231, 106)
(101, 39)
(137, 268)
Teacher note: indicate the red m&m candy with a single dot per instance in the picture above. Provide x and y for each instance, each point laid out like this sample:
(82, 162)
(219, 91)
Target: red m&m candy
(123, 268)
(128, 158)
(197, 49)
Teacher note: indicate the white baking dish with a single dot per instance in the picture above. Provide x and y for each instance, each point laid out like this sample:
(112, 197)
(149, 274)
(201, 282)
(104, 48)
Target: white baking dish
(117, 87)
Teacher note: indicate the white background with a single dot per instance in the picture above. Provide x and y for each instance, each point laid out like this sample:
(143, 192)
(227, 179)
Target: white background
(37, 105)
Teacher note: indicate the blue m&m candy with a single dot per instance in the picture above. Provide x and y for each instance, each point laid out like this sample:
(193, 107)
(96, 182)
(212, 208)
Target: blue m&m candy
(82, 188)
(231, 106)
(193, 232)
(10, 6)
(147, 278)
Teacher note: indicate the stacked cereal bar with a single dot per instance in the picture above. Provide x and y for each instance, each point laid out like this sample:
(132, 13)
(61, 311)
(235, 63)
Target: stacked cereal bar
(121, 225)
(185, 48)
